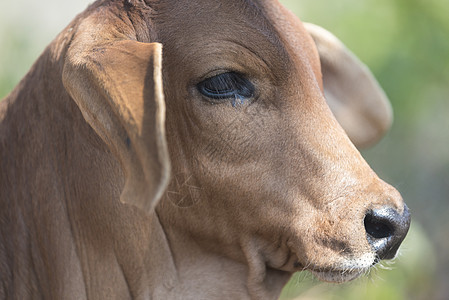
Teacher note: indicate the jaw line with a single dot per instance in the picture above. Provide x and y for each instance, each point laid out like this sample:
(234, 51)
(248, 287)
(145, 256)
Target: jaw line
(347, 271)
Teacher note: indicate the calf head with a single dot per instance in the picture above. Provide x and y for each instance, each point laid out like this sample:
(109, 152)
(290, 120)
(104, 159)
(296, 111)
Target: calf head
(261, 171)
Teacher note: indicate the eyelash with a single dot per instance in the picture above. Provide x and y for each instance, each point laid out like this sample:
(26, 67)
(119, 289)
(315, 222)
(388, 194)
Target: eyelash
(227, 86)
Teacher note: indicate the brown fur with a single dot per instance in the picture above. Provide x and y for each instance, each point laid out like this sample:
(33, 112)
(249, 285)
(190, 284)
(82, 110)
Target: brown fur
(256, 192)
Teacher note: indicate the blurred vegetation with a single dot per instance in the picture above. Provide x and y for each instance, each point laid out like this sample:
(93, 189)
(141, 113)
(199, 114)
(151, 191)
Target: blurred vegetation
(406, 45)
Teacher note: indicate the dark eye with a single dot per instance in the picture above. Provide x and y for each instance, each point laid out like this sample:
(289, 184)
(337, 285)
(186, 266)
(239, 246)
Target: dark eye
(229, 85)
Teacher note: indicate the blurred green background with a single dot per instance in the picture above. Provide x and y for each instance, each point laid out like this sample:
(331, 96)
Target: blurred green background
(406, 45)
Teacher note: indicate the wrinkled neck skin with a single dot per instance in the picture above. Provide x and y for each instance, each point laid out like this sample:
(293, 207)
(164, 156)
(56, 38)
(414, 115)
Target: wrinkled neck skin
(203, 274)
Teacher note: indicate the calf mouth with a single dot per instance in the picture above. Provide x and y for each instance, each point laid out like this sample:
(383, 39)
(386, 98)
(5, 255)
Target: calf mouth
(343, 272)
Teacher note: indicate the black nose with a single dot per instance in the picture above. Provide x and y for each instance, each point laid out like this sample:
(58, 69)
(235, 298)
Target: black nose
(386, 229)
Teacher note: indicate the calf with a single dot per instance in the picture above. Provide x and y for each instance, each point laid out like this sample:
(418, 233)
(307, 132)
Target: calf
(184, 149)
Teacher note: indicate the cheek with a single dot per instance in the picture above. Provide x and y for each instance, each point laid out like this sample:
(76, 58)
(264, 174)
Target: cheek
(235, 137)
(236, 160)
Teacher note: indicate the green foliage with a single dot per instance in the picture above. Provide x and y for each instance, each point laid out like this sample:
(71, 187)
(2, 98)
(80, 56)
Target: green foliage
(14, 57)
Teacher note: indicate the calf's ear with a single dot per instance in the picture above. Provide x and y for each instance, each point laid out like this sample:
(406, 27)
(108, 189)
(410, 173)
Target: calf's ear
(118, 88)
(353, 94)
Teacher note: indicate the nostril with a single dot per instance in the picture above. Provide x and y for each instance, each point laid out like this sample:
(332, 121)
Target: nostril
(378, 228)
(386, 229)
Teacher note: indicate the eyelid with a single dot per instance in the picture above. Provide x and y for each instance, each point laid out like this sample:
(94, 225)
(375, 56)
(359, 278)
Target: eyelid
(226, 86)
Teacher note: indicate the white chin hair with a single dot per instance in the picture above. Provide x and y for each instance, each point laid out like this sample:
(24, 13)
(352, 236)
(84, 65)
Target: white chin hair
(337, 276)
(348, 270)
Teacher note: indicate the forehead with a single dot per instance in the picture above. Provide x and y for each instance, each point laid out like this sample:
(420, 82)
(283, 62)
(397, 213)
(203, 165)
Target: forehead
(211, 32)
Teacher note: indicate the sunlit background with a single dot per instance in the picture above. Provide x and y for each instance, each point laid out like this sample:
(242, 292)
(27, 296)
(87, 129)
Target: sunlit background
(406, 45)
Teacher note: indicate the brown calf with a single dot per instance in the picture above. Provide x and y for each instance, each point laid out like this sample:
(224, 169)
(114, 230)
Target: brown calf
(207, 119)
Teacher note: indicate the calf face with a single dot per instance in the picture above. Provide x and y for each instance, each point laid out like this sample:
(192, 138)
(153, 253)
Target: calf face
(260, 166)
(261, 171)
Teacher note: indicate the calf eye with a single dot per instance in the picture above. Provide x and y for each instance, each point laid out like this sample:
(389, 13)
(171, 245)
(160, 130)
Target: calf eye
(229, 85)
